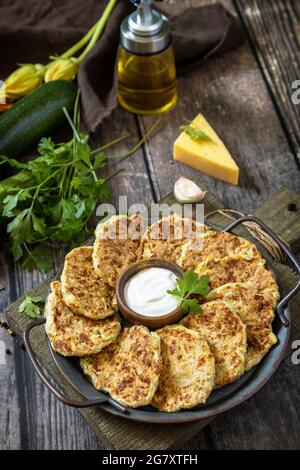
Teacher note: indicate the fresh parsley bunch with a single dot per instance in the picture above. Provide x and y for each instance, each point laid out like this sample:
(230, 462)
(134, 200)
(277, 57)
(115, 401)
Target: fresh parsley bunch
(61, 192)
(187, 286)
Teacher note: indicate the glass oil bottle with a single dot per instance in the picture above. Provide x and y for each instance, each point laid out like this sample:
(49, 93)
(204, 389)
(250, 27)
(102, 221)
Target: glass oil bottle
(146, 66)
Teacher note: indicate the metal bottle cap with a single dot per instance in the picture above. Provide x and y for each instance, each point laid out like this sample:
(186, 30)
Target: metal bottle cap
(145, 31)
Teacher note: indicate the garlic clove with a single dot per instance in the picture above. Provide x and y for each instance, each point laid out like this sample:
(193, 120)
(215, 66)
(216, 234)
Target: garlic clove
(186, 191)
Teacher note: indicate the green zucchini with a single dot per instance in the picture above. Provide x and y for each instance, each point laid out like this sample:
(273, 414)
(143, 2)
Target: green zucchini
(35, 116)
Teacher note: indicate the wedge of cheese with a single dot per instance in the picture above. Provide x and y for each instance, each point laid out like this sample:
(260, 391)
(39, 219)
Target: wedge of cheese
(209, 156)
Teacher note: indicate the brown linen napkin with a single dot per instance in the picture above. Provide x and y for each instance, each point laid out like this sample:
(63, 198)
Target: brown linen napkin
(31, 31)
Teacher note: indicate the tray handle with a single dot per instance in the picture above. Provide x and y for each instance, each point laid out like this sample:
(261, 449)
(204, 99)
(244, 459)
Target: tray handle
(293, 261)
(51, 387)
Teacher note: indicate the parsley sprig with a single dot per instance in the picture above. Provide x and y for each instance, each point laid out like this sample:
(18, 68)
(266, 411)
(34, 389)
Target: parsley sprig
(194, 132)
(187, 286)
(30, 306)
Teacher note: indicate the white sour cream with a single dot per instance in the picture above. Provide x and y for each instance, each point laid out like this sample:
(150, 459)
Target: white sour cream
(146, 292)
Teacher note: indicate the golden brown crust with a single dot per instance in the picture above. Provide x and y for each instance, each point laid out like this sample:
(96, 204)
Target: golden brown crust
(117, 245)
(229, 269)
(248, 303)
(129, 369)
(188, 372)
(214, 246)
(260, 339)
(226, 335)
(236, 269)
(256, 310)
(74, 335)
(263, 282)
(82, 290)
(165, 238)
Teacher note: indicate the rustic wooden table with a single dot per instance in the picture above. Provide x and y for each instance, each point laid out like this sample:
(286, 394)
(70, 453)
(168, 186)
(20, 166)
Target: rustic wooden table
(247, 96)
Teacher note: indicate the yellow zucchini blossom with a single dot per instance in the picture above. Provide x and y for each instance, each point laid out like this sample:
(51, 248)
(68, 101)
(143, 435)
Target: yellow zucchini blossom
(62, 69)
(22, 81)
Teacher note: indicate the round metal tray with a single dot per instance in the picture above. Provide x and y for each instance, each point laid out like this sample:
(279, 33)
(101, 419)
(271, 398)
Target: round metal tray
(219, 401)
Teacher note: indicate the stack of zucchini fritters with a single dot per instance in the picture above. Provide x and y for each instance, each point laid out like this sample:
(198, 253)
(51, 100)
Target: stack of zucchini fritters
(178, 366)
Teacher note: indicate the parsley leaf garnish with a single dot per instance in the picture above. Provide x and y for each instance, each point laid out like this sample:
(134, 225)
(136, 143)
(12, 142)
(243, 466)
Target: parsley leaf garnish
(193, 132)
(29, 306)
(187, 286)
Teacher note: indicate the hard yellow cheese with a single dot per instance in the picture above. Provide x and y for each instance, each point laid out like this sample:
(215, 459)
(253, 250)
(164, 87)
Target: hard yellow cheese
(209, 156)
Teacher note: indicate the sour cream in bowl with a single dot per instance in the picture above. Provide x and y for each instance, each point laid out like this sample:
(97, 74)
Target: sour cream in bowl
(142, 295)
(146, 292)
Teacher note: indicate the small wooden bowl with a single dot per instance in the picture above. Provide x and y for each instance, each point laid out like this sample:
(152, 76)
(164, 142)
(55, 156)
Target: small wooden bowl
(136, 318)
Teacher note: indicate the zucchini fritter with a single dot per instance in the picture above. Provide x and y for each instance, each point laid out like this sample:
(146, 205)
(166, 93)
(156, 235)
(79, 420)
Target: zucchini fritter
(235, 268)
(188, 372)
(248, 303)
(74, 335)
(128, 369)
(165, 238)
(226, 335)
(260, 339)
(214, 246)
(117, 245)
(256, 310)
(82, 290)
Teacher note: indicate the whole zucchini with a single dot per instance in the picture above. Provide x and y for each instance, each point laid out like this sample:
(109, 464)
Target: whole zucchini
(35, 116)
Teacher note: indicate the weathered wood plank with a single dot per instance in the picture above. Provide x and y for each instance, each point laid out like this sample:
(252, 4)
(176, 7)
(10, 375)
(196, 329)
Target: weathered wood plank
(268, 420)
(281, 213)
(10, 436)
(274, 30)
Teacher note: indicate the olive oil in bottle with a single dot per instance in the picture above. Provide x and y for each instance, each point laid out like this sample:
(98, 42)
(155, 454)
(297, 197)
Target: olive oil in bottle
(146, 66)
